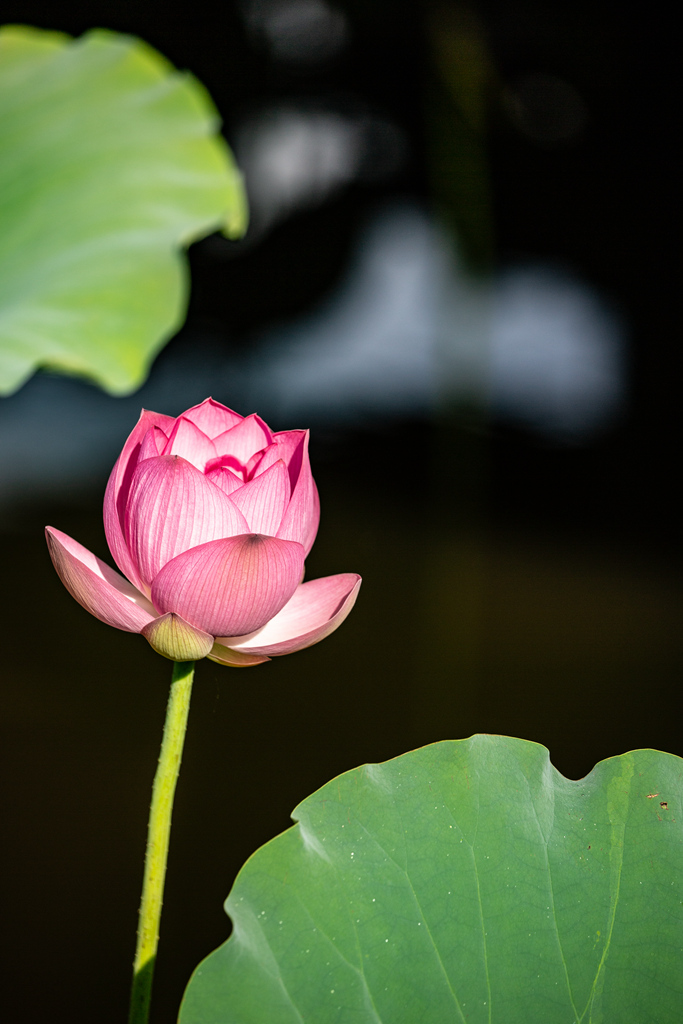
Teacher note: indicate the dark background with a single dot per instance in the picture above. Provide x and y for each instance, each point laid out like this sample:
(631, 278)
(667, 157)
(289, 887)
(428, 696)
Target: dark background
(513, 583)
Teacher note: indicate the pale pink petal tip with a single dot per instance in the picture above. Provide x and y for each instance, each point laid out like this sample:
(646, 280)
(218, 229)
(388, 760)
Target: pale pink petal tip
(96, 586)
(190, 443)
(212, 418)
(174, 638)
(316, 610)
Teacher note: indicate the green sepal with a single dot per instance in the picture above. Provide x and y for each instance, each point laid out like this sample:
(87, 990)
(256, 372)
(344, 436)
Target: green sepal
(174, 638)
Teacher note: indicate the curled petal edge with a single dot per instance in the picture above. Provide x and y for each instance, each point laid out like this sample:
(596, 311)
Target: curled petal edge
(302, 517)
(235, 659)
(97, 587)
(116, 494)
(316, 609)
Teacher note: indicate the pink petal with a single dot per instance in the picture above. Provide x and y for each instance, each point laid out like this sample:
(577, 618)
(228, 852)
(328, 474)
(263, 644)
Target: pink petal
(100, 590)
(316, 610)
(173, 507)
(248, 437)
(224, 656)
(176, 639)
(212, 418)
(232, 586)
(300, 521)
(190, 443)
(263, 500)
(270, 454)
(288, 445)
(293, 448)
(153, 444)
(223, 477)
(116, 495)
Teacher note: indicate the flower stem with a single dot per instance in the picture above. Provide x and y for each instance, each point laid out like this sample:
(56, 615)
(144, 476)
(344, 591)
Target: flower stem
(158, 832)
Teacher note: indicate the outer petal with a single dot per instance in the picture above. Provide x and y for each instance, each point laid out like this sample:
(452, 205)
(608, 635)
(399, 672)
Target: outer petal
(173, 507)
(116, 495)
(300, 521)
(100, 590)
(224, 656)
(230, 587)
(243, 440)
(263, 500)
(316, 610)
(176, 639)
(292, 448)
(188, 441)
(212, 418)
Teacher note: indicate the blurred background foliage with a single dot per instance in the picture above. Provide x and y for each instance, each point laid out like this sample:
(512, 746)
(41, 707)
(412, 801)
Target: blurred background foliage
(111, 163)
(459, 273)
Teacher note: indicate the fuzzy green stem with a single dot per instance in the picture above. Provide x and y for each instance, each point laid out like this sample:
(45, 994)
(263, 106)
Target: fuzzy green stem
(158, 832)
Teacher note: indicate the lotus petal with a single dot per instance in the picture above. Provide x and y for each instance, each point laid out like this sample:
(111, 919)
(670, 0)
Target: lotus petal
(243, 440)
(232, 586)
(153, 444)
(173, 507)
(96, 586)
(293, 448)
(212, 418)
(176, 639)
(316, 610)
(190, 443)
(223, 477)
(264, 499)
(300, 521)
(286, 445)
(224, 656)
(116, 495)
(263, 460)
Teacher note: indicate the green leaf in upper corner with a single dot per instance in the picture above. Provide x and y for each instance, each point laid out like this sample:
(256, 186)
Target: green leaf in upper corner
(467, 882)
(110, 163)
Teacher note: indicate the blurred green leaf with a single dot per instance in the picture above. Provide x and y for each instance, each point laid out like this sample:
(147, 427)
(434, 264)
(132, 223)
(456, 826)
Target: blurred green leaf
(110, 161)
(467, 881)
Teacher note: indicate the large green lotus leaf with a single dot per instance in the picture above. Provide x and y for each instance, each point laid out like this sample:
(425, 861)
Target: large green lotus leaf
(464, 882)
(109, 162)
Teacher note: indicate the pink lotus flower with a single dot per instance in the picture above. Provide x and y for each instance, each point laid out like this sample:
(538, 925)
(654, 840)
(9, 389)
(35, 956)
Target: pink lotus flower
(209, 517)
